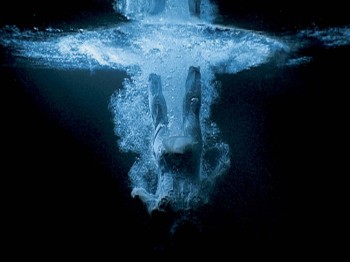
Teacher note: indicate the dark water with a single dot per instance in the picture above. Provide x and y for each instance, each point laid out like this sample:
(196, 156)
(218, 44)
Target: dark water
(66, 184)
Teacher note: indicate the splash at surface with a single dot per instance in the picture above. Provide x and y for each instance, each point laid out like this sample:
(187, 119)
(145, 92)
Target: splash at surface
(169, 47)
(165, 44)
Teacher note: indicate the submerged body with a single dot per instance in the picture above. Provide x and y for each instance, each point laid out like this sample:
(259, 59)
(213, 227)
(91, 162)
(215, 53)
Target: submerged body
(178, 154)
(177, 157)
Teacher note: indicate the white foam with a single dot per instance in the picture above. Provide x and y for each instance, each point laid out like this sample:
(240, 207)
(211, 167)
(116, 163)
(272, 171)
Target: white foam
(169, 50)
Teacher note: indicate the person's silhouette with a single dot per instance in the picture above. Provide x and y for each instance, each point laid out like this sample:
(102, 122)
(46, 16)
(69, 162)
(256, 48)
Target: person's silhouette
(179, 155)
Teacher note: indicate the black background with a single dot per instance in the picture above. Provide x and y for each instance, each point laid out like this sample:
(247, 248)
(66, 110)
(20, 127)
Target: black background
(64, 196)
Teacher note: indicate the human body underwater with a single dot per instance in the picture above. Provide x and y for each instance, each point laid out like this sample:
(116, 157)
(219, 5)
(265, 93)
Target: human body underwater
(177, 157)
(171, 51)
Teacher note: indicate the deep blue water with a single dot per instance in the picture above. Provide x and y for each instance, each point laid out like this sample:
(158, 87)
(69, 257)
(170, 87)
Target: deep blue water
(67, 185)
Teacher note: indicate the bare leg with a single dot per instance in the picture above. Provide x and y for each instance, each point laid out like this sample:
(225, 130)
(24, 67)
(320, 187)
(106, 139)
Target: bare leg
(157, 103)
(191, 110)
(192, 104)
(158, 110)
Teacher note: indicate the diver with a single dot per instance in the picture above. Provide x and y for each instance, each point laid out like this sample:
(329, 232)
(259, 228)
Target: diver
(178, 157)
